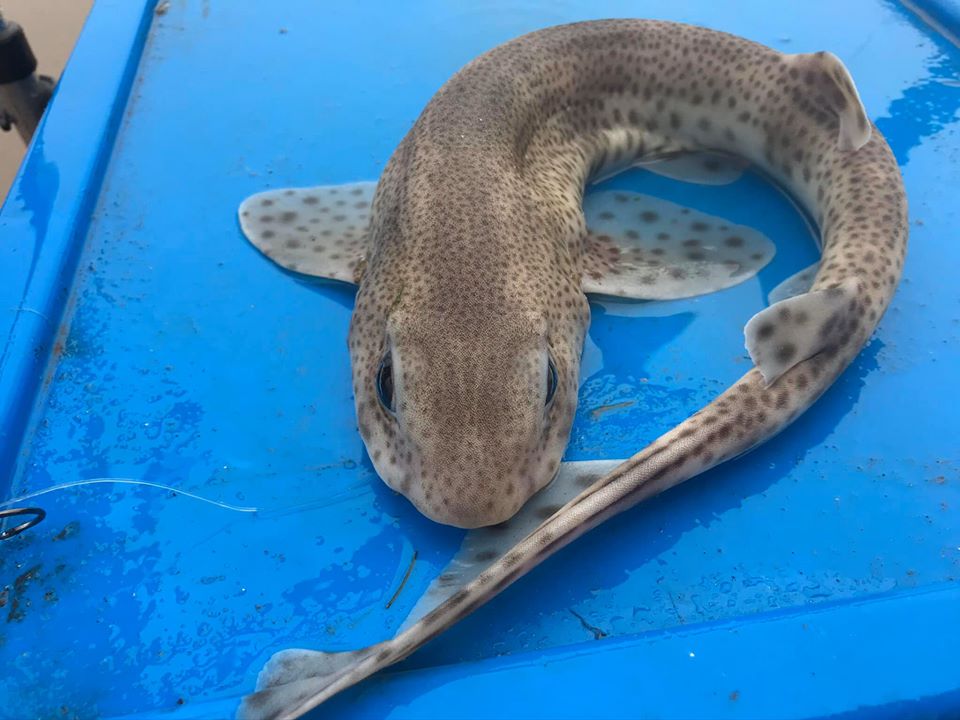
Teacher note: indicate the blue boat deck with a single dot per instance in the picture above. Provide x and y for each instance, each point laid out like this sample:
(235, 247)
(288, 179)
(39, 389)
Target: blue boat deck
(145, 339)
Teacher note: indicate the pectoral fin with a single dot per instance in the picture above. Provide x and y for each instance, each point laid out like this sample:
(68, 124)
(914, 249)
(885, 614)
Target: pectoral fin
(319, 231)
(643, 247)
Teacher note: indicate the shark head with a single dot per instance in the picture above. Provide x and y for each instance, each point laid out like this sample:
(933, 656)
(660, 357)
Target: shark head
(467, 415)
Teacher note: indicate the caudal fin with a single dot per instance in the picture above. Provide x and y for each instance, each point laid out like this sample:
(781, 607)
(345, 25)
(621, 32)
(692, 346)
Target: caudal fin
(293, 681)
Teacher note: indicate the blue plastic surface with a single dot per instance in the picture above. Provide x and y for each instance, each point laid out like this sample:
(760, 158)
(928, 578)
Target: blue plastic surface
(942, 15)
(143, 338)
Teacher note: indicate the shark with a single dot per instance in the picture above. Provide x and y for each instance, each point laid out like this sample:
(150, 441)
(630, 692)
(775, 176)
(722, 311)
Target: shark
(476, 250)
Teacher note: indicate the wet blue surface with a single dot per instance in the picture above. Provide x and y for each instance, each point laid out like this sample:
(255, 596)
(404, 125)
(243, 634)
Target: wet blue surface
(821, 561)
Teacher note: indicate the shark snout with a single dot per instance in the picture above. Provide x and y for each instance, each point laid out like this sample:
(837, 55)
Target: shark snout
(469, 512)
(477, 486)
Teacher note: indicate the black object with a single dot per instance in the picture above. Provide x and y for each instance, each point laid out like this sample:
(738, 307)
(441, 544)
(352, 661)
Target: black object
(17, 60)
(23, 95)
(37, 513)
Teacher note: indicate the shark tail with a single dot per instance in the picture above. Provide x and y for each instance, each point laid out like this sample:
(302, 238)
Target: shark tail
(294, 681)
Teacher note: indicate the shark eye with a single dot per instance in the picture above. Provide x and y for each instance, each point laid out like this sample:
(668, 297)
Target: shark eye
(551, 381)
(385, 383)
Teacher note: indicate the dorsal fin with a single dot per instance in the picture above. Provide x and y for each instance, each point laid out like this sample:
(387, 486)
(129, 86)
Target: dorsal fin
(831, 87)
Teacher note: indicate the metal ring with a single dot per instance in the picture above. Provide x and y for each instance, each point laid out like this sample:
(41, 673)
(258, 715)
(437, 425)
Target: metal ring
(38, 515)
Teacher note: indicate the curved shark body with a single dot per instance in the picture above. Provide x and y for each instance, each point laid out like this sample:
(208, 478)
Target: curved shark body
(474, 256)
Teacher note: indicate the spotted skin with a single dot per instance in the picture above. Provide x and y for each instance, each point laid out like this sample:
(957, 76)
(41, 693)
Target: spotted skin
(481, 203)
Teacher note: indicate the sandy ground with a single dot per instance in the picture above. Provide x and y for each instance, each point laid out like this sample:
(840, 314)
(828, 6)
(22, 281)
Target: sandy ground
(52, 27)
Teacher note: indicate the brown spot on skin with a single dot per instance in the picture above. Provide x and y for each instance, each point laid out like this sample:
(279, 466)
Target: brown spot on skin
(512, 558)
(786, 353)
